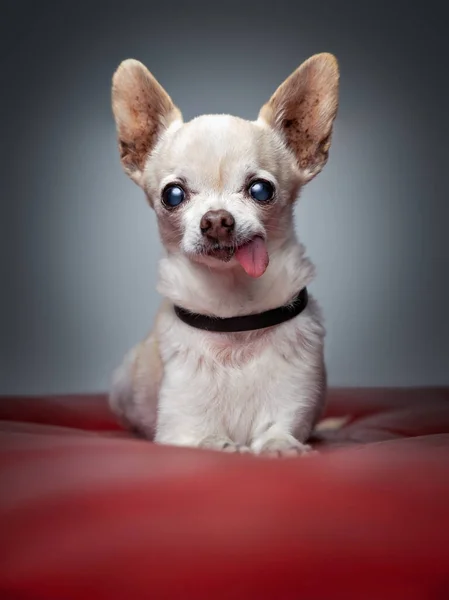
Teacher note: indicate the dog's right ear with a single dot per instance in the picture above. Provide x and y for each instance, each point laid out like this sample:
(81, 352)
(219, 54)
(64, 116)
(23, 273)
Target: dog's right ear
(142, 111)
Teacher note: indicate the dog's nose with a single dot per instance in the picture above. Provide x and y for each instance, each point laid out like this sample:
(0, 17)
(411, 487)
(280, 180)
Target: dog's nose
(217, 225)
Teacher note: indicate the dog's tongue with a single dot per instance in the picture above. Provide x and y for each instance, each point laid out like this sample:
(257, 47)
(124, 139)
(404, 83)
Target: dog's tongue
(253, 257)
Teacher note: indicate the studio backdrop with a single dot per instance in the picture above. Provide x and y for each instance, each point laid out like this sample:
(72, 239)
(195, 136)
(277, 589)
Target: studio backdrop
(79, 244)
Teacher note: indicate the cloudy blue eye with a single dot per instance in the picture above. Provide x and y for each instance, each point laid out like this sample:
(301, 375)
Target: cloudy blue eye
(261, 190)
(173, 195)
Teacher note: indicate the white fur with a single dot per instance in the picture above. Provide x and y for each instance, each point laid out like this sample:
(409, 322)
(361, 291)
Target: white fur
(250, 389)
(262, 390)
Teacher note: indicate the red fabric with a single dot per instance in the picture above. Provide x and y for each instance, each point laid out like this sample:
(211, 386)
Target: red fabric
(87, 511)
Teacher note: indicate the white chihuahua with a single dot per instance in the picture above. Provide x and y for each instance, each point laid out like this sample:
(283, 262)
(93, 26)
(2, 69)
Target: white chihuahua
(235, 360)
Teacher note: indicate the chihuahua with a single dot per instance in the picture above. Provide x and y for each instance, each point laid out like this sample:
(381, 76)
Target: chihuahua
(235, 361)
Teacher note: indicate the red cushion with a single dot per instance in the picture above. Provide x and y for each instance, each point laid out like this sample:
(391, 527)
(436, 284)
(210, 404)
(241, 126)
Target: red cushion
(86, 511)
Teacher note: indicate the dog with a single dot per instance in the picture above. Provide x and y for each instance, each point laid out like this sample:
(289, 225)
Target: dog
(235, 361)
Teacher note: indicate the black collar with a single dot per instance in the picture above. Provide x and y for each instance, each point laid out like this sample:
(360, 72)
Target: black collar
(269, 318)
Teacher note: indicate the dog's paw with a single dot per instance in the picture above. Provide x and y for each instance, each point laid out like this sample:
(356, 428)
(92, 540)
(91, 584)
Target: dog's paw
(281, 447)
(225, 445)
(239, 448)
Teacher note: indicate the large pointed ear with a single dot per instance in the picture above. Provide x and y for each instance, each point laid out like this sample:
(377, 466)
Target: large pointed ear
(303, 110)
(142, 111)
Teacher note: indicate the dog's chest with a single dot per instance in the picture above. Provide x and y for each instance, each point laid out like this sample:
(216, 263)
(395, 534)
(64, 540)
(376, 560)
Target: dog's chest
(238, 385)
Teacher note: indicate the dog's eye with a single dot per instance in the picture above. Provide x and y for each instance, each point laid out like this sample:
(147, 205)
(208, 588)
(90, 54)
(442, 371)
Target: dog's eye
(173, 195)
(261, 190)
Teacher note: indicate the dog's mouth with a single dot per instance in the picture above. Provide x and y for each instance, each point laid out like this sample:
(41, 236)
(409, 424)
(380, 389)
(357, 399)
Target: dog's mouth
(220, 252)
(252, 255)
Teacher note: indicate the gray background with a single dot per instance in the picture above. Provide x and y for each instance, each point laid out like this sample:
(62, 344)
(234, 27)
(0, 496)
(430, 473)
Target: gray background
(79, 245)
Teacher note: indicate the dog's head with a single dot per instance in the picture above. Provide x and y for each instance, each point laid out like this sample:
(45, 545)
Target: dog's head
(222, 187)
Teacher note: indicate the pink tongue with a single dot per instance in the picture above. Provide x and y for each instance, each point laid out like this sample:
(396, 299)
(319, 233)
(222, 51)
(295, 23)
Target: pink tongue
(253, 257)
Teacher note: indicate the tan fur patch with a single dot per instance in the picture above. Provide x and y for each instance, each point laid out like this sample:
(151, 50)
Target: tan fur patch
(148, 361)
(304, 107)
(170, 228)
(142, 109)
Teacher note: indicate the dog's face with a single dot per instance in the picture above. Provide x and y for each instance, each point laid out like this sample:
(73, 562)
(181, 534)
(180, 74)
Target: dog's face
(223, 188)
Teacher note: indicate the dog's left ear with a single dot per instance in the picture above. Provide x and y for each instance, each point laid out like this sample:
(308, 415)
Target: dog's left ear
(142, 111)
(303, 110)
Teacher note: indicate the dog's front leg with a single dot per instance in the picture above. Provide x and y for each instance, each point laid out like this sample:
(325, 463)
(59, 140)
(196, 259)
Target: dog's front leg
(290, 422)
(285, 431)
(181, 423)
